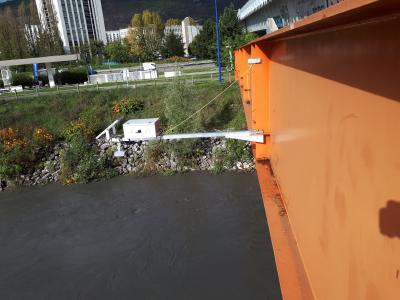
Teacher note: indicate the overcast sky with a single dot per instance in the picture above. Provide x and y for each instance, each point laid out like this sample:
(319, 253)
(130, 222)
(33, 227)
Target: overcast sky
(1, 1)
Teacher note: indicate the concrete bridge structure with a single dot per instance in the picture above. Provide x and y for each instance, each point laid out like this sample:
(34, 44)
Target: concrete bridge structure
(266, 16)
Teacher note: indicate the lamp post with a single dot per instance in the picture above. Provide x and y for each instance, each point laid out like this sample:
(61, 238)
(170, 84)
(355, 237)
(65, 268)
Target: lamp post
(218, 40)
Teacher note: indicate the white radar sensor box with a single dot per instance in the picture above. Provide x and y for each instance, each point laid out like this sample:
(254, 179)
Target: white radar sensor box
(141, 129)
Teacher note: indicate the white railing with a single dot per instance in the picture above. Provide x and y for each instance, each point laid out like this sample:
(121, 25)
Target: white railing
(251, 7)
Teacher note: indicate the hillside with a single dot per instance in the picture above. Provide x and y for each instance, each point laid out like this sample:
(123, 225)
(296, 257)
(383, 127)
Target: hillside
(117, 13)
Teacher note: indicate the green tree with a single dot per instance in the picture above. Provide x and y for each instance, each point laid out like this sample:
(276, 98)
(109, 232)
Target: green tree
(47, 40)
(172, 46)
(12, 37)
(43, 39)
(232, 36)
(93, 52)
(19, 40)
(229, 23)
(118, 52)
(203, 46)
(230, 44)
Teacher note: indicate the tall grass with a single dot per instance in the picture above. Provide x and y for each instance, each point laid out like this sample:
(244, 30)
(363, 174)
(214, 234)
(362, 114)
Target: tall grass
(91, 112)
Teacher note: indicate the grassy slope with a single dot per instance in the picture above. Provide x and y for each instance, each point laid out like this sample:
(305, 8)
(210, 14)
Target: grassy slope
(56, 112)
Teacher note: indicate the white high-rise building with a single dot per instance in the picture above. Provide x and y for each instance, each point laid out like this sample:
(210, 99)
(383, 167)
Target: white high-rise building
(189, 32)
(78, 21)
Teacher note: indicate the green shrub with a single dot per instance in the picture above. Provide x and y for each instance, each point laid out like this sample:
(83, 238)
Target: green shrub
(86, 127)
(185, 151)
(179, 104)
(80, 163)
(44, 79)
(19, 151)
(154, 152)
(234, 152)
(175, 59)
(72, 76)
(128, 106)
(14, 162)
(218, 162)
(22, 79)
(77, 129)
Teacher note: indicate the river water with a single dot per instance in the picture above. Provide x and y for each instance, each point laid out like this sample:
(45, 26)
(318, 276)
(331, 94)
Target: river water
(193, 236)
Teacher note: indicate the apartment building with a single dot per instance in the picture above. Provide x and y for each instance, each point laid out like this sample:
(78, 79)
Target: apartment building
(78, 21)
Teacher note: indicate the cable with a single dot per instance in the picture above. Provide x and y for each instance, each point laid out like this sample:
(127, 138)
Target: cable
(206, 105)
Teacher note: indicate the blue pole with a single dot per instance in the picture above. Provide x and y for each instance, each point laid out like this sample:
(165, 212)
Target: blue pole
(218, 40)
(36, 71)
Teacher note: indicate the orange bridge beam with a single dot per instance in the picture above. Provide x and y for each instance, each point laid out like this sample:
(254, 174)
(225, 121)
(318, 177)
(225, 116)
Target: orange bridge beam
(326, 90)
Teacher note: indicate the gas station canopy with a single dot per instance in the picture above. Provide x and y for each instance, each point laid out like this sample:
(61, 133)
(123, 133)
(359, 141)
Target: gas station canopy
(39, 60)
(47, 60)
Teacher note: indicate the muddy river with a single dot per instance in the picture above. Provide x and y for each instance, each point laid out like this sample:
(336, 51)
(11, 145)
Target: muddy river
(194, 236)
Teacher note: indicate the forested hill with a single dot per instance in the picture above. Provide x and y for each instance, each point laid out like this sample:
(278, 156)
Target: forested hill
(117, 13)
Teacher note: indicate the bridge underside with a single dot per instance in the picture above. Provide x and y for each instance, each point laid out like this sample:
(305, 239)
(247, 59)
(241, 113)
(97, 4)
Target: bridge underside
(327, 92)
(268, 16)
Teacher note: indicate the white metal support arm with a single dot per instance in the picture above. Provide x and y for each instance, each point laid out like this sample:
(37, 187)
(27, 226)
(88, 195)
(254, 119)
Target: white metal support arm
(106, 131)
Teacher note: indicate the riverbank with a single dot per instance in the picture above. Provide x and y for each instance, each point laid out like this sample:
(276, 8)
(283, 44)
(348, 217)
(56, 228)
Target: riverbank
(143, 159)
(52, 139)
(191, 236)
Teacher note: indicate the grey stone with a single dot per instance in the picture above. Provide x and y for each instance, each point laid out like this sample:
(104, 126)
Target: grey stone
(104, 147)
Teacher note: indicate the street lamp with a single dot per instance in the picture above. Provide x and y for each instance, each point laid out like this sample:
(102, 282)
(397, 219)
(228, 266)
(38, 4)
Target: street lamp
(218, 40)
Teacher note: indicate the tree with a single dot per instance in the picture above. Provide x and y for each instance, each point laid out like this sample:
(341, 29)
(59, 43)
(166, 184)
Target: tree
(42, 39)
(203, 46)
(19, 40)
(135, 38)
(232, 36)
(232, 43)
(118, 52)
(172, 46)
(47, 39)
(92, 52)
(12, 37)
(145, 34)
(172, 22)
(229, 23)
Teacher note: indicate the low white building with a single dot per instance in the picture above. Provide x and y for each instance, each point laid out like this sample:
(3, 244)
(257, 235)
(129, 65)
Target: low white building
(175, 29)
(148, 71)
(117, 35)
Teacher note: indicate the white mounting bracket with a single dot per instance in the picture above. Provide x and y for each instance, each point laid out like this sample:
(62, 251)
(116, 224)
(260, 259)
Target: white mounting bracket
(119, 152)
(254, 61)
(106, 131)
(254, 136)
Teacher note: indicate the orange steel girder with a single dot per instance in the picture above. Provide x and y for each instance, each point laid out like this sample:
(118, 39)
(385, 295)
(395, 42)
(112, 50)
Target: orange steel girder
(327, 94)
